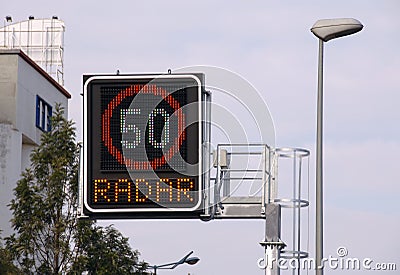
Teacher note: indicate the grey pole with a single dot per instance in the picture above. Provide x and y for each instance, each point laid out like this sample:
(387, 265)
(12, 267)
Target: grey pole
(325, 30)
(272, 242)
(319, 179)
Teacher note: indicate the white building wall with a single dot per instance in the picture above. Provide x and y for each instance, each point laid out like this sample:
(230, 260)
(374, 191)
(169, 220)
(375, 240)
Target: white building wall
(26, 151)
(10, 170)
(20, 83)
(8, 88)
(31, 83)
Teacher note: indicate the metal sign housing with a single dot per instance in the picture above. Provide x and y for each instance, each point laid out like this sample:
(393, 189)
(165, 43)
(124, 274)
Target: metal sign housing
(143, 138)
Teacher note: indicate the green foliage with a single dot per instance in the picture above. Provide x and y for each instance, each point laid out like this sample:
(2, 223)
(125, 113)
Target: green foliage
(49, 238)
(7, 266)
(107, 252)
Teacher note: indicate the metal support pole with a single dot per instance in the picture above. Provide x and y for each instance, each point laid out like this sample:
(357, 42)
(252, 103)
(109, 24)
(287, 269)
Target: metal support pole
(319, 167)
(272, 243)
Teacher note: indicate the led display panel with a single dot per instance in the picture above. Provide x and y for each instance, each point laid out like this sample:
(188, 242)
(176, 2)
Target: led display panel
(142, 145)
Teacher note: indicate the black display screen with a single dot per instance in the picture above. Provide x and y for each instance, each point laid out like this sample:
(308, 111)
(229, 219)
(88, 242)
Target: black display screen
(141, 129)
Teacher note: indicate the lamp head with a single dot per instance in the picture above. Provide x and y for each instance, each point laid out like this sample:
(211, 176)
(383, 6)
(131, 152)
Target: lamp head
(192, 260)
(327, 29)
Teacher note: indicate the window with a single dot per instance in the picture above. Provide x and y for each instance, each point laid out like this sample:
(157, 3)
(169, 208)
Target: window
(43, 114)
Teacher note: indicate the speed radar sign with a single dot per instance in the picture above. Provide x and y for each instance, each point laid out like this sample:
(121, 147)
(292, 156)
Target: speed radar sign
(143, 137)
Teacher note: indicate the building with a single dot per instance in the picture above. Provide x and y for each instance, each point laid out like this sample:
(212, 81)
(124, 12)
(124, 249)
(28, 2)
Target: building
(28, 95)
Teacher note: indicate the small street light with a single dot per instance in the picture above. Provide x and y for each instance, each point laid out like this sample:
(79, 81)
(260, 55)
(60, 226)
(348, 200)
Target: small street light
(325, 30)
(186, 259)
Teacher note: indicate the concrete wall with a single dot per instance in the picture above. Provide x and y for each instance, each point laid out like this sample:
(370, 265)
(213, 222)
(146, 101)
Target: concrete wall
(20, 83)
(31, 83)
(8, 88)
(10, 170)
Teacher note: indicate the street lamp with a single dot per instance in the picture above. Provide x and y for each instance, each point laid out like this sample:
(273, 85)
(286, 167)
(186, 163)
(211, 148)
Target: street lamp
(325, 30)
(186, 259)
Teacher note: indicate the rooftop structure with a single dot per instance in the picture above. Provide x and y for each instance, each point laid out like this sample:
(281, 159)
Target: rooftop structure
(41, 39)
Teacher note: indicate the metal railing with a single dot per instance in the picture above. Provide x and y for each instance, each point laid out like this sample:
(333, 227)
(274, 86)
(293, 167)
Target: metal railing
(249, 177)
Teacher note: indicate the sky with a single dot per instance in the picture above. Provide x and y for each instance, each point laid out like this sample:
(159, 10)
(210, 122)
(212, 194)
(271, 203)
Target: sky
(269, 44)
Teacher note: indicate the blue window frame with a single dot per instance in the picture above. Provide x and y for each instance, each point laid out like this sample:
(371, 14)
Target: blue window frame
(43, 114)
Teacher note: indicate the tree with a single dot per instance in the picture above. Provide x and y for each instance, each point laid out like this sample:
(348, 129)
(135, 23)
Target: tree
(7, 266)
(49, 238)
(106, 251)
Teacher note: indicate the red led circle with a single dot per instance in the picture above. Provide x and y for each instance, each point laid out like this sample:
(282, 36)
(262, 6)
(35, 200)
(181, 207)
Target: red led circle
(116, 153)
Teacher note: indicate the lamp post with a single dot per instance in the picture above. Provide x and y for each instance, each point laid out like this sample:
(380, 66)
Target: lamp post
(325, 30)
(185, 259)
